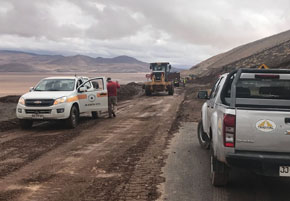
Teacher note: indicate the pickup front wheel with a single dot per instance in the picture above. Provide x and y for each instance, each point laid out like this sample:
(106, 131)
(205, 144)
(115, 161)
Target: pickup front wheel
(73, 119)
(203, 139)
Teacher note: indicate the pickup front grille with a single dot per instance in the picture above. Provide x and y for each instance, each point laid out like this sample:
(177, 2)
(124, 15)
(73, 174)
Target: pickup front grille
(39, 102)
(37, 111)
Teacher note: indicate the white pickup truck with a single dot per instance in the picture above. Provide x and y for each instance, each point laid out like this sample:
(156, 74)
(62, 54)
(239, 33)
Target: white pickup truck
(246, 123)
(63, 98)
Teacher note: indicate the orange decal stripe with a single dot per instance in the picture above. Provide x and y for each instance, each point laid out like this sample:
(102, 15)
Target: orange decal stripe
(83, 96)
(102, 95)
(72, 99)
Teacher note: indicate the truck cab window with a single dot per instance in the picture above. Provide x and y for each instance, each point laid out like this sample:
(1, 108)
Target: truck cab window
(87, 84)
(215, 88)
(79, 83)
(98, 84)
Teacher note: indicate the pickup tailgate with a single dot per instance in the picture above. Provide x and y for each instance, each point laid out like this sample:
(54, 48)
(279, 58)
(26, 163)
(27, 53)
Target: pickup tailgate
(258, 130)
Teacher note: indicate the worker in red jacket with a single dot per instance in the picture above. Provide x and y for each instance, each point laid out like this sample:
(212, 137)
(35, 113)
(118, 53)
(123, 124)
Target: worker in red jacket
(112, 96)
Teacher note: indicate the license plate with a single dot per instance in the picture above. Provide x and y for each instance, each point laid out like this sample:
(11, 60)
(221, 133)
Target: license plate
(284, 171)
(37, 116)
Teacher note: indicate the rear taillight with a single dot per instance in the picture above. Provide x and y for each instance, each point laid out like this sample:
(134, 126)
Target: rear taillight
(229, 130)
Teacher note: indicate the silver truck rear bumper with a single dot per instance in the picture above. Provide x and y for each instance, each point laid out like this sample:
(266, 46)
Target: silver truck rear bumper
(264, 163)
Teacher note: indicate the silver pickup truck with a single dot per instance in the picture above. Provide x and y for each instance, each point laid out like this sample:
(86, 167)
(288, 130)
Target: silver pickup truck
(246, 123)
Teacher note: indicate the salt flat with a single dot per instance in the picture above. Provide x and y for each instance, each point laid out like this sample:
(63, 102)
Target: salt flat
(19, 83)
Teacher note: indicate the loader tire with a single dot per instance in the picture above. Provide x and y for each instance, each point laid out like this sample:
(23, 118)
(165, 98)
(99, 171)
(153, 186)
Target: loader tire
(148, 91)
(170, 90)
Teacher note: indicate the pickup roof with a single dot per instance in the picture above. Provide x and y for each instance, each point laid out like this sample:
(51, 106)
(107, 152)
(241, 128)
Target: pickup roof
(246, 123)
(58, 98)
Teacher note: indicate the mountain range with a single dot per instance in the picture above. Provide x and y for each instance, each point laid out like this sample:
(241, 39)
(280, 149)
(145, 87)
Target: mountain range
(274, 51)
(14, 61)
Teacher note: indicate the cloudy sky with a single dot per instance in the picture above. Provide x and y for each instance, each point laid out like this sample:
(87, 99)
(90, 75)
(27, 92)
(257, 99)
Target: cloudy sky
(183, 32)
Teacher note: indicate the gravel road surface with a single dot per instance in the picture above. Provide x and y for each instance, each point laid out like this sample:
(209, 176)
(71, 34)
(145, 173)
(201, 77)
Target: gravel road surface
(103, 159)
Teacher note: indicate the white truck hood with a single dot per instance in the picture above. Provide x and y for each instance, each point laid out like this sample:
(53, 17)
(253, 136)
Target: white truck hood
(46, 94)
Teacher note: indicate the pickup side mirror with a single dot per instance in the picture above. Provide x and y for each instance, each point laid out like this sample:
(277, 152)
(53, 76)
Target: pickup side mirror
(202, 95)
(82, 89)
(31, 89)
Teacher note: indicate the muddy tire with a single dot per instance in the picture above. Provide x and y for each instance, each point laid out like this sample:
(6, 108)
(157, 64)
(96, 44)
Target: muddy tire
(148, 91)
(203, 139)
(170, 90)
(219, 171)
(73, 119)
(95, 115)
(25, 123)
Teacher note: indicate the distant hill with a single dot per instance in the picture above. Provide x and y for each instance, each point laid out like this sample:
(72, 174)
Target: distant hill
(14, 61)
(273, 51)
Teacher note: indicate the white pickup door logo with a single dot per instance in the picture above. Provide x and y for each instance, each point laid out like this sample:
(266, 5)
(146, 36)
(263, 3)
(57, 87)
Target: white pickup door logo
(265, 125)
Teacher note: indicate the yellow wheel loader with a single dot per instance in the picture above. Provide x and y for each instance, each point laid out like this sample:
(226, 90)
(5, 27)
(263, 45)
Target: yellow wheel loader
(159, 79)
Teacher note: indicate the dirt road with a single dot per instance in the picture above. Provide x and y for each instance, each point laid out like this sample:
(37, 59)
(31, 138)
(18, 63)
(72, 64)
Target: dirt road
(149, 151)
(104, 159)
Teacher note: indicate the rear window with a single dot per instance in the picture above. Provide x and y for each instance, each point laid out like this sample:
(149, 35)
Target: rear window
(265, 91)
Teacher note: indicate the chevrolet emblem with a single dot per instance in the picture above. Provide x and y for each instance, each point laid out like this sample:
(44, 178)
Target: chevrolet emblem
(37, 102)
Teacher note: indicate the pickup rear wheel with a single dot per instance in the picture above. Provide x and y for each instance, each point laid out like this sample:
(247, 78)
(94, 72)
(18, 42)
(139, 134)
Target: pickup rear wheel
(25, 123)
(203, 139)
(95, 115)
(73, 119)
(219, 171)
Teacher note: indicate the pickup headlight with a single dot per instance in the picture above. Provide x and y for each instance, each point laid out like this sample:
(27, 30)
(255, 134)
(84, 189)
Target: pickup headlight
(60, 100)
(21, 101)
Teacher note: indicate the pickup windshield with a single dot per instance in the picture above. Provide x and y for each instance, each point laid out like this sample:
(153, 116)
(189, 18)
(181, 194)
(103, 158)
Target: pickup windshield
(55, 85)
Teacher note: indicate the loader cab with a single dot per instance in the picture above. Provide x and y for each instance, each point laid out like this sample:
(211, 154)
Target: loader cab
(160, 67)
(160, 70)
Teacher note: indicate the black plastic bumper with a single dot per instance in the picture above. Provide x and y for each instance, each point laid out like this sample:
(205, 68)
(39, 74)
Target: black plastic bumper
(264, 163)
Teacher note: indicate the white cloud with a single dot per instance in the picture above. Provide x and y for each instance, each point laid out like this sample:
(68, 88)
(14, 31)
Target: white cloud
(179, 31)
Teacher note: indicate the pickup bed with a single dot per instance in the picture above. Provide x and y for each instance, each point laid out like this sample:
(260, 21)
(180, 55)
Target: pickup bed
(246, 123)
